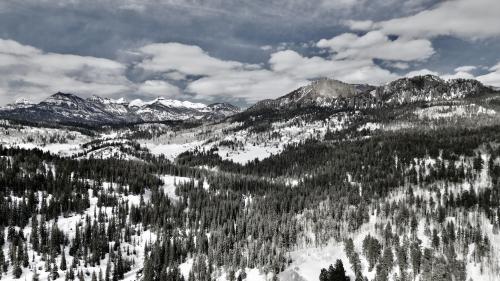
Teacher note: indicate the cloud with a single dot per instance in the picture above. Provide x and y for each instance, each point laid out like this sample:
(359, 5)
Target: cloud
(348, 70)
(208, 77)
(182, 58)
(446, 76)
(251, 85)
(492, 78)
(400, 65)
(159, 88)
(362, 25)
(289, 70)
(376, 45)
(462, 18)
(465, 68)
(28, 72)
(458, 74)
(421, 72)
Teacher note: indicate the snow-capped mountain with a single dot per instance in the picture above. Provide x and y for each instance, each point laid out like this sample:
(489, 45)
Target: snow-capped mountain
(222, 109)
(323, 93)
(69, 108)
(166, 109)
(428, 88)
(20, 103)
(410, 167)
(330, 93)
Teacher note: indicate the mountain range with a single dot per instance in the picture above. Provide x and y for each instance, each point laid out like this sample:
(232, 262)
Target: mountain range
(332, 93)
(322, 93)
(400, 180)
(69, 108)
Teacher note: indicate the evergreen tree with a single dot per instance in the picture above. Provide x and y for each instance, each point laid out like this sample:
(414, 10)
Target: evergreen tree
(55, 272)
(17, 272)
(63, 260)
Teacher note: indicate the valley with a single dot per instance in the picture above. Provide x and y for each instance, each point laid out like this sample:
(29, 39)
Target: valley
(398, 182)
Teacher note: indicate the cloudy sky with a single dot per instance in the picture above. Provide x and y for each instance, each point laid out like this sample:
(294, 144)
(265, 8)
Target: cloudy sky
(237, 51)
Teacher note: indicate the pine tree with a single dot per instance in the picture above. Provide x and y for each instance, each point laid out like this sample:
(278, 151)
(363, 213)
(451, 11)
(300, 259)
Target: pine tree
(334, 273)
(387, 258)
(107, 273)
(17, 271)
(26, 261)
(416, 258)
(35, 242)
(71, 274)
(3, 262)
(63, 260)
(55, 272)
(339, 272)
(324, 275)
(372, 250)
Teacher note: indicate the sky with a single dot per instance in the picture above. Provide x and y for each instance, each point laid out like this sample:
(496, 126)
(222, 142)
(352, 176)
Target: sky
(237, 51)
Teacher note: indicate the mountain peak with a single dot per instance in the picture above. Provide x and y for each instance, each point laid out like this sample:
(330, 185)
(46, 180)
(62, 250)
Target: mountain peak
(22, 101)
(330, 88)
(340, 95)
(177, 103)
(61, 98)
(96, 98)
(428, 88)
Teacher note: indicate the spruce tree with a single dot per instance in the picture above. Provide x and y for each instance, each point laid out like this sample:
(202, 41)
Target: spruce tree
(63, 260)
(17, 272)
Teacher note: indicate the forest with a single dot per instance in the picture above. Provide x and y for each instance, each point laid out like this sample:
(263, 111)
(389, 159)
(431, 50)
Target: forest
(241, 217)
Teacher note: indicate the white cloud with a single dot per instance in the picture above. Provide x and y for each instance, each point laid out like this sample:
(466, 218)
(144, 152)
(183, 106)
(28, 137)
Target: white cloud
(159, 88)
(287, 71)
(266, 47)
(462, 18)
(251, 85)
(400, 65)
(363, 25)
(28, 72)
(458, 74)
(32, 73)
(375, 44)
(292, 63)
(421, 72)
(181, 58)
(465, 68)
(10, 47)
(492, 78)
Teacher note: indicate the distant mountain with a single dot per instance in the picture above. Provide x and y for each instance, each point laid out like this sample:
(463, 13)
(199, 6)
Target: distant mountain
(330, 93)
(324, 93)
(219, 110)
(428, 88)
(69, 108)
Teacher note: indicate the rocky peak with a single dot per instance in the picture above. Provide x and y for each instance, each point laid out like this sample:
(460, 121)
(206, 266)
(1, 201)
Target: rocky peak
(427, 88)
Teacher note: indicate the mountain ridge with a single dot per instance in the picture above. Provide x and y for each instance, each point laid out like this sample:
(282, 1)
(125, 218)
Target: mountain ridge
(95, 110)
(333, 93)
(322, 93)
